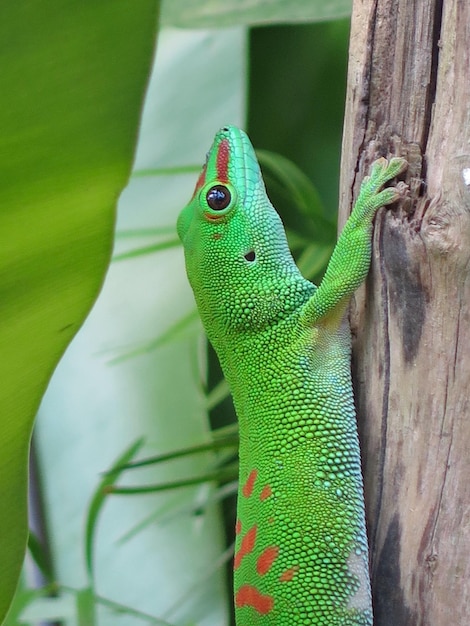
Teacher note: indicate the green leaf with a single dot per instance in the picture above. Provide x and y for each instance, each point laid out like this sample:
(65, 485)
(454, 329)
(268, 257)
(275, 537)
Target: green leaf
(31, 606)
(314, 259)
(85, 600)
(133, 233)
(217, 394)
(221, 475)
(23, 598)
(40, 557)
(296, 185)
(121, 609)
(217, 13)
(167, 171)
(231, 441)
(72, 82)
(99, 498)
(169, 335)
(151, 249)
(172, 510)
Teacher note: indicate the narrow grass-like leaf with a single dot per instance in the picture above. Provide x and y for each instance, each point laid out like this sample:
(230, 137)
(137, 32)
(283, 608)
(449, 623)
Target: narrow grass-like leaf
(151, 249)
(167, 171)
(40, 557)
(132, 233)
(225, 431)
(172, 511)
(119, 608)
(171, 334)
(230, 441)
(98, 500)
(217, 13)
(122, 609)
(25, 597)
(217, 394)
(224, 474)
(85, 603)
(314, 259)
(297, 185)
(223, 559)
(296, 240)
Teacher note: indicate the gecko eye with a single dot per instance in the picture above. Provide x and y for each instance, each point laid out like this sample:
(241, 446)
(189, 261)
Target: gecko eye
(217, 200)
(218, 197)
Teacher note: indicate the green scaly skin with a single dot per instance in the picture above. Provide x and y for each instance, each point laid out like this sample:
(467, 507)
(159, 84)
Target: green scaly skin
(301, 553)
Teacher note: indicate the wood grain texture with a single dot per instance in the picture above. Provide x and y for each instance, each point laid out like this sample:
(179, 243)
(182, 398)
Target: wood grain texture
(409, 95)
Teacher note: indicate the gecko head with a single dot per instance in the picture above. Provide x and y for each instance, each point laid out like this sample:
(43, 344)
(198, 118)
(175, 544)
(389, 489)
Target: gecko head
(237, 258)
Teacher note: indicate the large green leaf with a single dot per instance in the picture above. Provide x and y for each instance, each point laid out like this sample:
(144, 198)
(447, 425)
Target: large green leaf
(216, 13)
(72, 82)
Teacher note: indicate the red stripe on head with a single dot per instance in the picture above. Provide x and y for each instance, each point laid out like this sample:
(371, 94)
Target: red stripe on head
(223, 155)
(266, 559)
(246, 546)
(248, 595)
(265, 492)
(247, 488)
(238, 527)
(289, 574)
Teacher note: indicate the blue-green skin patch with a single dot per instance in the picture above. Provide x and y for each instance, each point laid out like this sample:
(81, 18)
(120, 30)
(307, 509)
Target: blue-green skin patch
(301, 550)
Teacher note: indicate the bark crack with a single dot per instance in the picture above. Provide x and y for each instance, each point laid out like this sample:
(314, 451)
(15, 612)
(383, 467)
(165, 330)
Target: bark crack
(386, 390)
(432, 89)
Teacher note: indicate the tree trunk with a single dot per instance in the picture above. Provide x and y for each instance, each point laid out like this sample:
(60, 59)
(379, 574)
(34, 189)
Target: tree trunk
(409, 95)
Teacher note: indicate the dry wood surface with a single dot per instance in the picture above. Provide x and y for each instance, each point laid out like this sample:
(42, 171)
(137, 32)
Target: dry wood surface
(409, 95)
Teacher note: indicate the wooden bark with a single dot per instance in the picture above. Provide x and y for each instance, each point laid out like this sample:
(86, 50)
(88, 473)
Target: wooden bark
(409, 95)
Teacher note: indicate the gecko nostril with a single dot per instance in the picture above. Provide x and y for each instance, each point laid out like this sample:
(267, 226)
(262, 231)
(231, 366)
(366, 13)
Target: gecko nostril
(250, 256)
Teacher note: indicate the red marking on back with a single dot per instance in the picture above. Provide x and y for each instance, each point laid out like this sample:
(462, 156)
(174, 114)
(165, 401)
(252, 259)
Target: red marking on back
(265, 492)
(217, 236)
(270, 520)
(247, 488)
(223, 155)
(201, 180)
(289, 574)
(246, 546)
(266, 559)
(238, 527)
(248, 595)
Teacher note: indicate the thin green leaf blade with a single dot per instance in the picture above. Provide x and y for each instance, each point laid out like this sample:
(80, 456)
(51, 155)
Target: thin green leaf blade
(40, 557)
(224, 474)
(314, 259)
(295, 183)
(85, 603)
(216, 13)
(99, 497)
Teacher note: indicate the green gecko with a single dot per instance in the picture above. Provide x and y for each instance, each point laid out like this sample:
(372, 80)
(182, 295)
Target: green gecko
(301, 554)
